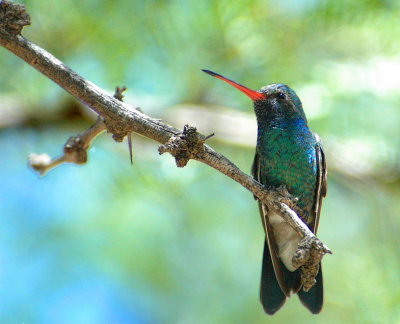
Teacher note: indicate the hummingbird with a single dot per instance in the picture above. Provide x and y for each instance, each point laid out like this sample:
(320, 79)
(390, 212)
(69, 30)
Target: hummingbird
(287, 154)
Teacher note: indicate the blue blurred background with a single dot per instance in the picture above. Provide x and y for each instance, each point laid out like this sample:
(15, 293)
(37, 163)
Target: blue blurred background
(108, 242)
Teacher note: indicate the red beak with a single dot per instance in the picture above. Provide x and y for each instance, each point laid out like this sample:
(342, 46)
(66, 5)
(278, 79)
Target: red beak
(253, 95)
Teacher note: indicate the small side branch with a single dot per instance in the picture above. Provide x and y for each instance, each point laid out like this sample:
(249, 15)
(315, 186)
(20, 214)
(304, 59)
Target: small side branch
(76, 147)
(74, 151)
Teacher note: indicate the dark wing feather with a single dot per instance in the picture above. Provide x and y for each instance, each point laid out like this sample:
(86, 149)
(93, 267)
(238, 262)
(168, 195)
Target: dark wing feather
(322, 188)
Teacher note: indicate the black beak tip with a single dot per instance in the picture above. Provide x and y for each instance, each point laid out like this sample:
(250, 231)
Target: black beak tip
(210, 72)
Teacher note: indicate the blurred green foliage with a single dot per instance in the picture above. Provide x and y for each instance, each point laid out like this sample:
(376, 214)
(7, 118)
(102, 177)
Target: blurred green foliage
(108, 242)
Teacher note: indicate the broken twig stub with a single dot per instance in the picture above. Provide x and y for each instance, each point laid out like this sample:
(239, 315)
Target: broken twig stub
(13, 17)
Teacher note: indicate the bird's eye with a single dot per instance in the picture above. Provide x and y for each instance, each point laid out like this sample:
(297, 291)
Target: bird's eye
(281, 95)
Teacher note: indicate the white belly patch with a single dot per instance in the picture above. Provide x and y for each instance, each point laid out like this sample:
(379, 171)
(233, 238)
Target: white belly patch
(286, 239)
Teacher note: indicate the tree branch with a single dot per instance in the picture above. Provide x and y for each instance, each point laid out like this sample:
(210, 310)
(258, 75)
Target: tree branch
(121, 120)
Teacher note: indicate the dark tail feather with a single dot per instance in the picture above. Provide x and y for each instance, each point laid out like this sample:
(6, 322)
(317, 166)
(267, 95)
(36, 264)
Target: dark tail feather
(314, 298)
(271, 295)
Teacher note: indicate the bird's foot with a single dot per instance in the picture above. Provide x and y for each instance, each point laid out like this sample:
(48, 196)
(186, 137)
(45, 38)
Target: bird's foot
(308, 255)
(284, 196)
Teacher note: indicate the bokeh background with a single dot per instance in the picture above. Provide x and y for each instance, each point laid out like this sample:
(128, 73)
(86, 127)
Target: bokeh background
(108, 242)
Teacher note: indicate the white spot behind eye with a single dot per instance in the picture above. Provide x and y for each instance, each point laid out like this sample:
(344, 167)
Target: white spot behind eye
(281, 95)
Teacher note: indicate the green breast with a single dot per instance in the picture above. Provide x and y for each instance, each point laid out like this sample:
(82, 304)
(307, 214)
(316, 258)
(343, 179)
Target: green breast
(287, 157)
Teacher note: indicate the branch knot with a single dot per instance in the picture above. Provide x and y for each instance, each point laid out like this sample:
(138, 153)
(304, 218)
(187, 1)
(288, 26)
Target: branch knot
(185, 146)
(75, 150)
(13, 18)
